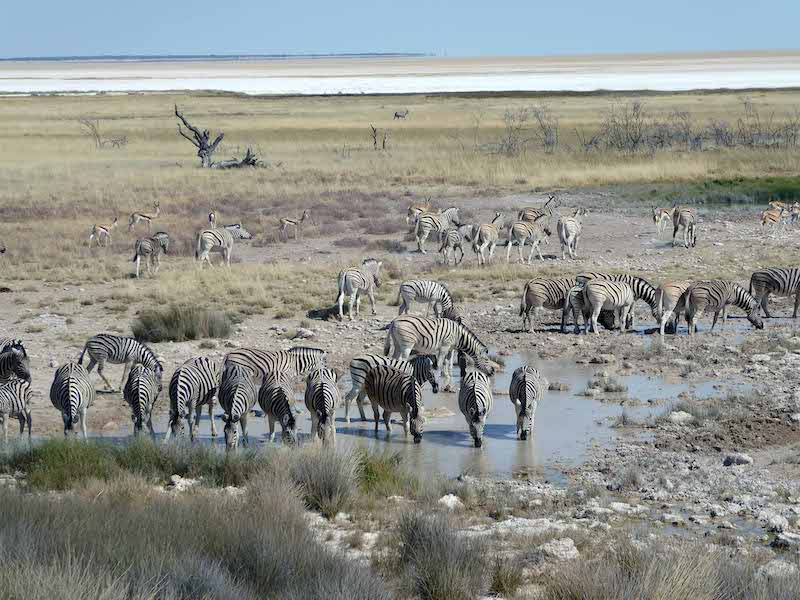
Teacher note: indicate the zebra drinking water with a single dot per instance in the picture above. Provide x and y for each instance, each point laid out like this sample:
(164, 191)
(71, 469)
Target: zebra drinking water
(295, 362)
(715, 296)
(781, 282)
(475, 402)
(72, 393)
(394, 390)
(237, 396)
(193, 384)
(526, 390)
(276, 399)
(600, 294)
(322, 397)
(141, 392)
(15, 401)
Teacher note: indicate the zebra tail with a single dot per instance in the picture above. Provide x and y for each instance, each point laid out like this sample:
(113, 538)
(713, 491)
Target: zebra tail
(340, 282)
(80, 359)
(416, 227)
(387, 345)
(135, 252)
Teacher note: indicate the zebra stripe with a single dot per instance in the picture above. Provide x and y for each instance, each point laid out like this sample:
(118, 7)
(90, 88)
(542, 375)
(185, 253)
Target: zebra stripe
(15, 401)
(355, 280)
(106, 348)
(193, 384)
(522, 232)
(781, 282)
(532, 213)
(428, 222)
(415, 210)
(295, 362)
(424, 290)
(441, 337)
(667, 296)
(72, 393)
(322, 397)
(451, 240)
(486, 236)
(141, 392)
(599, 294)
(14, 362)
(575, 305)
(642, 289)
(715, 296)
(276, 399)
(219, 240)
(422, 367)
(543, 293)
(526, 390)
(237, 396)
(475, 401)
(7, 343)
(685, 217)
(394, 390)
(150, 249)
(569, 232)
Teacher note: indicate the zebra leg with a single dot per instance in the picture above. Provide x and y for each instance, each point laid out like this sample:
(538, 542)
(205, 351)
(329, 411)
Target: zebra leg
(595, 315)
(492, 246)
(340, 302)
(405, 416)
(714, 322)
(421, 242)
(376, 413)
(150, 426)
(211, 415)
(125, 371)
(765, 301)
(314, 422)
(137, 266)
(674, 232)
(462, 255)
(387, 420)
(100, 366)
(243, 425)
(664, 318)
(82, 416)
(796, 304)
(508, 252)
(351, 302)
(371, 295)
(271, 421)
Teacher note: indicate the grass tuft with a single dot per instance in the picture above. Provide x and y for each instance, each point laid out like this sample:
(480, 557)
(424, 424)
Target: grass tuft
(180, 323)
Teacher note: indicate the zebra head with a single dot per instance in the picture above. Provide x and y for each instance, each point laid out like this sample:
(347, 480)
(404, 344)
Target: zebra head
(477, 421)
(289, 429)
(231, 431)
(326, 430)
(454, 313)
(483, 364)
(414, 408)
(373, 267)
(20, 365)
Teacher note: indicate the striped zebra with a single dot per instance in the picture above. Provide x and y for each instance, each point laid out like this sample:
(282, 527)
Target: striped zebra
(526, 391)
(102, 233)
(569, 231)
(322, 397)
(543, 293)
(422, 367)
(667, 296)
(415, 210)
(451, 240)
(150, 249)
(522, 232)
(532, 213)
(219, 240)
(575, 305)
(599, 294)
(475, 402)
(424, 290)
(237, 396)
(442, 337)
(715, 296)
(394, 390)
(106, 348)
(685, 217)
(487, 236)
(642, 290)
(276, 399)
(141, 392)
(781, 282)
(193, 384)
(14, 363)
(295, 362)
(15, 401)
(8, 343)
(428, 222)
(355, 280)
(72, 393)
(660, 218)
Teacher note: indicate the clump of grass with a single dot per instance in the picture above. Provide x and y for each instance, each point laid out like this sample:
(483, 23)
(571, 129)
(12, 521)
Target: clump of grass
(327, 479)
(180, 323)
(631, 478)
(506, 577)
(383, 474)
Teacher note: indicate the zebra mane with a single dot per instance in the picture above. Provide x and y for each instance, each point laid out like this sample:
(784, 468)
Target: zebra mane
(372, 265)
(466, 334)
(744, 299)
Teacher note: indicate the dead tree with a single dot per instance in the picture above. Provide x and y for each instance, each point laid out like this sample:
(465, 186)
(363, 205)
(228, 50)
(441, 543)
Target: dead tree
(400, 114)
(93, 130)
(374, 137)
(385, 140)
(205, 148)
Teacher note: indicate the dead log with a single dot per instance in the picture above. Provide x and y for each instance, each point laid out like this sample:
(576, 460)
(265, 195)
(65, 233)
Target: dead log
(249, 160)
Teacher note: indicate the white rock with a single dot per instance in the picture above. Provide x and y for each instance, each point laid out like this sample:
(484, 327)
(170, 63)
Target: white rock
(680, 417)
(451, 502)
(795, 417)
(303, 333)
(777, 568)
(181, 484)
(737, 458)
(777, 523)
(760, 358)
(563, 549)
(53, 362)
(674, 519)
(623, 508)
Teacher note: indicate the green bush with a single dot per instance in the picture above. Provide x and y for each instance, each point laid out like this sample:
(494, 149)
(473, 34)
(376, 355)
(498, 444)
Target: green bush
(180, 323)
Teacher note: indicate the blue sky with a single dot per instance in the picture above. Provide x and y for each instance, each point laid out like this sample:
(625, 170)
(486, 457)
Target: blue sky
(464, 28)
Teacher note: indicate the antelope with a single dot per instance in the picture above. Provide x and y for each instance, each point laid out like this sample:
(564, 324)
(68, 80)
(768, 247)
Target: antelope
(400, 114)
(286, 223)
(102, 232)
(415, 210)
(137, 216)
(660, 218)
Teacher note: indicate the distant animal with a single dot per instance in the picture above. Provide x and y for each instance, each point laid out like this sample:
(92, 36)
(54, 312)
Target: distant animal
(487, 236)
(685, 217)
(138, 216)
(475, 402)
(428, 222)
(569, 232)
(237, 396)
(101, 233)
(415, 210)
(660, 218)
(400, 114)
(322, 397)
(2, 249)
(72, 394)
(276, 399)
(150, 249)
(432, 293)
(353, 282)
(533, 213)
(776, 217)
(219, 240)
(394, 390)
(106, 348)
(667, 296)
(141, 392)
(715, 296)
(780, 205)
(599, 294)
(285, 223)
(526, 391)
(781, 282)
(193, 385)
(15, 401)
(520, 232)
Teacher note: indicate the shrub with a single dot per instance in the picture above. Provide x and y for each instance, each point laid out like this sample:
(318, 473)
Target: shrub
(328, 479)
(180, 323)
(506, 577)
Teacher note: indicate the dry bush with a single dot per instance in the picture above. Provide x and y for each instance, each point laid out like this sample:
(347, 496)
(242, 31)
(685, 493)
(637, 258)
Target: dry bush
(179, 324)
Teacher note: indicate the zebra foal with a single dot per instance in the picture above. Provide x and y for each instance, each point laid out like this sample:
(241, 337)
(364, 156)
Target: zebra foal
(219, 240)
(430, 222)
(322, 397)
(355, 280)
(599, 294)
(486, 236)
(475, 402)
(569, 232)
(394, 390)
(141, 392)
(106, 348)
(451, 240)
(15, 401)
(237, 396)
(276, 399)
(150, 250)
(715, 296)
(72, 393)
(526, 390)
(781, 282)
(685, 217)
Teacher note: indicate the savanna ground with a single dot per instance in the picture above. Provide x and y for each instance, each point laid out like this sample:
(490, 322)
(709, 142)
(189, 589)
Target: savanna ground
(319, 156)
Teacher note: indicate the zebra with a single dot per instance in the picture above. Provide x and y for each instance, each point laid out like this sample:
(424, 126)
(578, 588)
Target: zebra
(521, 232)
(322, 397)
(72, 393)
(193, 384)
(286, 222)
(15, 401)
(103, 233)
(396, 391)
(237, 396)
(295, 362)
(486, 236)
(642, 290)
(575, 305)
(415, 210)
(424, 290)
(276, 399)
(450, 241)
(781, 282)
(14, 363)
(106, 348)
(353, 281)
(442, 337)
(219, 240)
(141, 392)
(569, 231)
(475, 401)
(599, 294)
(532, 214)
(422, 367)
(667, 296)
(138, 216)
(660, 218)
(151, 249)
(427, 222)
(541, 293)
(526, 391)
(715, 296)
(8, 343)
(685, 217)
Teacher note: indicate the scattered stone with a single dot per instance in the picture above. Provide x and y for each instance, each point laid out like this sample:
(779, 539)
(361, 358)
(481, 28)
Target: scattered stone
(53, 362)
(50, 321)
(737, 458)
(726, 525)
(795, 418)
(232, 344)
(603, 359)
(563, 549)
(760, 358)
(623, 508)
(777, 523)
(439, 412)
(777, 568)
(451, 502)
(303, 334)
(672, 519)
(680, 417)
(181, 484)
(557, 386)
